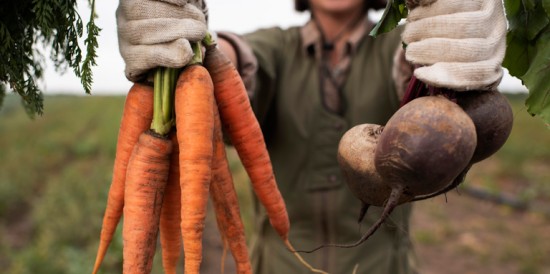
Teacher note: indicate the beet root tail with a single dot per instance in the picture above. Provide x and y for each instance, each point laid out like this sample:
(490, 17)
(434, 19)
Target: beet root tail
(392, 202)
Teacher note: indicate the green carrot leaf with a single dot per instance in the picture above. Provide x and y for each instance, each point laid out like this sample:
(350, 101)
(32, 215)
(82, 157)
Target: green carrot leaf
(29, 29)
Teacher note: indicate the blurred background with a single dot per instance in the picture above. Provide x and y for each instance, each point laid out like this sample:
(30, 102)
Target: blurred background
(55, 173)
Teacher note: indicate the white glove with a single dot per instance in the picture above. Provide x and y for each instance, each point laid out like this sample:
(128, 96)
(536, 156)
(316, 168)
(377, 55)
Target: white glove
(153, 33)
(460, 44)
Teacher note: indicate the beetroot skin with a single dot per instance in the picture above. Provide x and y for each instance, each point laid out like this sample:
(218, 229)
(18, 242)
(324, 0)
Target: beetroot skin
(425, 145)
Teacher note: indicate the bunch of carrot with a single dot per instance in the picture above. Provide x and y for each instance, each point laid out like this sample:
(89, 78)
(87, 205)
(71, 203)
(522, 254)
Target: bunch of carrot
(171, 158)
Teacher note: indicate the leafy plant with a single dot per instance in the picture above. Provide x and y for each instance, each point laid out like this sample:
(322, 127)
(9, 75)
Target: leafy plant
(26, 27)
(394, 12)
(527, 53)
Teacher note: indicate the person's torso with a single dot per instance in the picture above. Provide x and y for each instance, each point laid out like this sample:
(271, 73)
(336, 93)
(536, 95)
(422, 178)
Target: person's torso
(303, 137)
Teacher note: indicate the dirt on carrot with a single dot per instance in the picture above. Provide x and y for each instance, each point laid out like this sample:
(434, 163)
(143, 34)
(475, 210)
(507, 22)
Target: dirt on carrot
(146, 180)
(194, 101)
(247, 138)
(226, 204)
(170, 215)
(136, 118)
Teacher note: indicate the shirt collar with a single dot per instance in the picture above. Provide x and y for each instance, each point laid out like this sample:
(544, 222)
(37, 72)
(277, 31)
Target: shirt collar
(311, 35)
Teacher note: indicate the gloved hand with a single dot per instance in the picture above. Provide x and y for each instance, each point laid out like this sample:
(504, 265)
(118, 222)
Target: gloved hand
(153, 33)
(458, 44)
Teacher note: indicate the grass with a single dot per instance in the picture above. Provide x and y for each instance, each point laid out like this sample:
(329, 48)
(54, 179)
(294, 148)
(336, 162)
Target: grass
(54, 181)
(56, 171)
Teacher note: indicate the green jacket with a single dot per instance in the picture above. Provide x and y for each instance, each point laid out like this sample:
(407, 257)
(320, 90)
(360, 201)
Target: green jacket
(302, 139)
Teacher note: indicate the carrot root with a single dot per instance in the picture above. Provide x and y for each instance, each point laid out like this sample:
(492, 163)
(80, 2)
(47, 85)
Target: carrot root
(145, 185)
(194, 123)
(170, 218)
(246, 136)
(136, 118)
(226, 204)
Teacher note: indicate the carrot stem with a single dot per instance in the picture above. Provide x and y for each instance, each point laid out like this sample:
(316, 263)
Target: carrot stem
(164, 87)
(197, 56)
(174, 73)
(166, 95)
(208, 40)
(157, 125)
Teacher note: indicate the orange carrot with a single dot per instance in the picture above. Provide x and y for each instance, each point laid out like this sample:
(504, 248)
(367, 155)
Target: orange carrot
(194, 122)
(136, 118)
(146, 180)
(246, 135)
(247, 138)
(170, 235)
(226, 202)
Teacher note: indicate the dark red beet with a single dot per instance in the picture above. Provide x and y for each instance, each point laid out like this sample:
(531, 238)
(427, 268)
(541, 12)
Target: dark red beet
(492, 117)
(424, 146)
(356, 160)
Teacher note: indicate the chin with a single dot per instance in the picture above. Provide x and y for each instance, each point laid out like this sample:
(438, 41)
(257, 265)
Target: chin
(341, 6)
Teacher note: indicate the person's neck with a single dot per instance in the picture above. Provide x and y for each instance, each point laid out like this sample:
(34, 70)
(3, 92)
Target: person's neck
(333, 24)
(336, 28)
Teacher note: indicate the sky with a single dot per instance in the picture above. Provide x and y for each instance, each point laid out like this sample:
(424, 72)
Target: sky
(239, 16)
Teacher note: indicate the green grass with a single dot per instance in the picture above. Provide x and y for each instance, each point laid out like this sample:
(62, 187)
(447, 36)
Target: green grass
(55, 172)
(54, 178)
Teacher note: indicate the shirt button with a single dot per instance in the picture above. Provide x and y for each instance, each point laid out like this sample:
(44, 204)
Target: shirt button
(338, 126)
(332, 178)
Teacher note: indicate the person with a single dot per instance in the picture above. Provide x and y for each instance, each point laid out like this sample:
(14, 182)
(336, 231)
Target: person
(308, 85)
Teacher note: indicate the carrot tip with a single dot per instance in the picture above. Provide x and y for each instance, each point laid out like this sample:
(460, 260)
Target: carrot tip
(224, 255)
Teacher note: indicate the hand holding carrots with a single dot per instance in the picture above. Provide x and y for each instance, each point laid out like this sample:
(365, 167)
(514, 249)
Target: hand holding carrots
(155, 33)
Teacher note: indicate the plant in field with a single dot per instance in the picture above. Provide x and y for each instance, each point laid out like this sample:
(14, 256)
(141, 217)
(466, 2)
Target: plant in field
(27, 26)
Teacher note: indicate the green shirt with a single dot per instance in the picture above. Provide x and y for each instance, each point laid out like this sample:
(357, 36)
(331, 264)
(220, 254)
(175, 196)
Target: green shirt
(302, 137)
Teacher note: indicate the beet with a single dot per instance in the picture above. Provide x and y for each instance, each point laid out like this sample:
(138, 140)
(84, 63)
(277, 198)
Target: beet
(488, 109)
(424, 146)
(493, 118)
(356, 160)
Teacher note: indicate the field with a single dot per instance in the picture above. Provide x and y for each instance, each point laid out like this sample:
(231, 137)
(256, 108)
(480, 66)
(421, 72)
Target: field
(55, 172)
